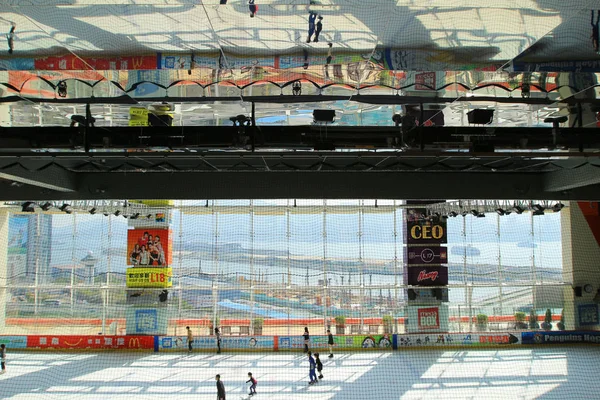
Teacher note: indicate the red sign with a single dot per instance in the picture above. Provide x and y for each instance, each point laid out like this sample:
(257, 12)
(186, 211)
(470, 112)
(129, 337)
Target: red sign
(71, 62)
(90, 342)
(435, 275)
(425, 81)
(428, 318)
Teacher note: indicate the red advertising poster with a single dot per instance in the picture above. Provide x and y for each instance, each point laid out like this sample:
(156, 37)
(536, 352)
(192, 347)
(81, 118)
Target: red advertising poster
(428, 318)
(148, 247)
(435, 275)
(427, 255)
(90, 342)
(71, 62)
(425, 81)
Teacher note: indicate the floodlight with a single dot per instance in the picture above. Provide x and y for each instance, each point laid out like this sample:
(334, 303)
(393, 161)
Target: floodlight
(46, 206)
(92, 211)
(538, 207)
(452, 214)
(134, 216)
(519, 210)
(475, 213)
(557, 207)
(500, 211)
(28, 206)
(117, 213)
(66, 208)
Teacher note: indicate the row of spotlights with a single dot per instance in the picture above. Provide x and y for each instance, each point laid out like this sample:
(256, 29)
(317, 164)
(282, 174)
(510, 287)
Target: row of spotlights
(29, 206)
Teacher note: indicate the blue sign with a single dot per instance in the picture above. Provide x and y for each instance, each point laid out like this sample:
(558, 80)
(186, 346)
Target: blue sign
(14, 342)
(588, 314)
(559, 337)
(146, 321)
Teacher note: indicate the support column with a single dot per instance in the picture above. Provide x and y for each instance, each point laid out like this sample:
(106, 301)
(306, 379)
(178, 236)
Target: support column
(4, 220)
(580, 225)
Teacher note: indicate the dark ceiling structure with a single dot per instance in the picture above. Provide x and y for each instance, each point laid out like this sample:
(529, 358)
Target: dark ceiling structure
(178, 99)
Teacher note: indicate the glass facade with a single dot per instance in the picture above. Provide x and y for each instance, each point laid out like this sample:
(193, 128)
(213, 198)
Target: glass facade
(273, 267)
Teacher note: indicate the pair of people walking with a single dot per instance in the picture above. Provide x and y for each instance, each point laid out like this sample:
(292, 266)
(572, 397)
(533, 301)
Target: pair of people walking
(315, 364)
(190, 339)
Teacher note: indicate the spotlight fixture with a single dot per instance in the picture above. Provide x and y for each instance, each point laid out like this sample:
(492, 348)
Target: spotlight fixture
(62, 89)
(105, 213)
(538, 212)
(117, 213)
(46, 206)
(557, 207)
(464, 213)
(519, 210)
(28, 206)
(66, 208)
(149, 216)
(475, 213)
(452, 214)
(134, 216)
(538, 207)
(92, 211)
(481, 215)
(500, 211)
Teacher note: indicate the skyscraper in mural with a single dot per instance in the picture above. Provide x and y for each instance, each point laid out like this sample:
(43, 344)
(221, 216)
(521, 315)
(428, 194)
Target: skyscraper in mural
(29, 247)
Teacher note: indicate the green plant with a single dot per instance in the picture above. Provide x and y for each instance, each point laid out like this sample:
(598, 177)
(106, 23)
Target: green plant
(547, 325)
(482, 320)
(388, 323)
(257, 323)
(520, 316)
(340, 320)
(533, 324)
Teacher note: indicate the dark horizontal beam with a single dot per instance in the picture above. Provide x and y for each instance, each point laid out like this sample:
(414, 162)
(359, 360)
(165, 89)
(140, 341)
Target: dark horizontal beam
(294, 137)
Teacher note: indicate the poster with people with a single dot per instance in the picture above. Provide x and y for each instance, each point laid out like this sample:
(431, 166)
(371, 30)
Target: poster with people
(149, 247)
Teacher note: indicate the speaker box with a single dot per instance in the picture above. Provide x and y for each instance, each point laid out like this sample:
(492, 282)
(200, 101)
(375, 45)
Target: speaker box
(324, 115)
(412, 295)
(578, 291)
(480, 116)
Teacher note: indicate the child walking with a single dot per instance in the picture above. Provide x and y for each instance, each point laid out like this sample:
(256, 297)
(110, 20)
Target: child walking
(253, 383)
(3, 357)
(319, 365)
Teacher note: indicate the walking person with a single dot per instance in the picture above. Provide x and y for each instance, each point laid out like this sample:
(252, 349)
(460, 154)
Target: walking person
(319, 28)
(319, 365)
(253, 8)
(218, 335)
(595, 32)
(253, 383)
(10, 37)
(220, 388)
(312, 366)
(306, 339)
(190, 339)
(330, 342)
(311, 25)
(3, 357)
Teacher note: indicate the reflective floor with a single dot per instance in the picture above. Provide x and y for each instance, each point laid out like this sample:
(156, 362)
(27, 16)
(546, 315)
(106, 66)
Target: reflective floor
(520, 373)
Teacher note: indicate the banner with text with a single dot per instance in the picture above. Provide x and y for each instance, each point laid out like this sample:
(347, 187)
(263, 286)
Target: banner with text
(427, 255)
(560, 337)
(436, 275)
(90, 342)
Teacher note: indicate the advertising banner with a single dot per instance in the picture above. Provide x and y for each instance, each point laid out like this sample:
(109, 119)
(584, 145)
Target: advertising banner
(341, 342)
(558, 337)
(425, 81)
(427, 255)
(72, 62)
(149, 277)
(557, 66)
(428, 275)
(428, 318)
(149, 247)
(456, 339)
(14, 342)
(425, 231)
(588, 314)
(90, 342)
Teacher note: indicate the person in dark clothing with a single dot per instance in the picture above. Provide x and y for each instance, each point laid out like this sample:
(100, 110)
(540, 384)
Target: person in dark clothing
(319, 29)
(595, 32)
(3, 357)
(190, 339)
(220, 388)
(218, 335)
(319, 365)
(306, 339)
(312, 365)
(11, 38)
(253, 383)
(253, 8)
(330, 342)
(311, 25)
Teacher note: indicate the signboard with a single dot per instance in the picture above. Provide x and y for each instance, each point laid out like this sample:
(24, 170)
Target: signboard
(426, 232)
(425, 81)
(588, 314)
(149, 247)
(456, 339)
(428, 318)
(428, 275)
(72, 62)
(341, 342)
(149, 277)
(90, 342)
(14, 342)
(424, 255)
(210, 342)
(560, 337)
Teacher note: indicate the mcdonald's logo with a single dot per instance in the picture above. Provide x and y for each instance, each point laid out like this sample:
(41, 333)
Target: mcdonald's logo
(137, 62)
(134, 343)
